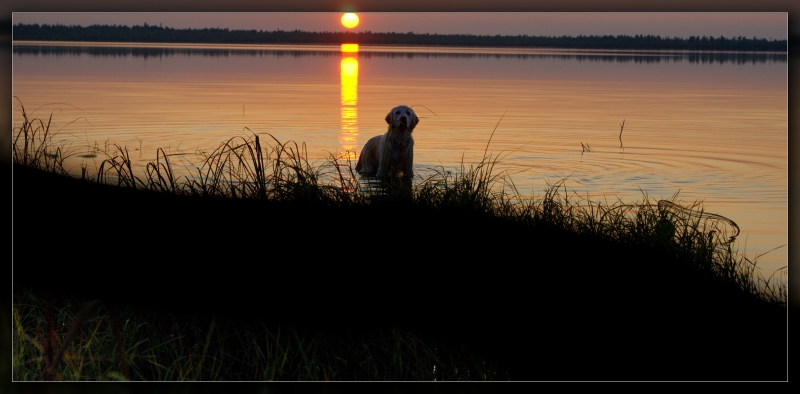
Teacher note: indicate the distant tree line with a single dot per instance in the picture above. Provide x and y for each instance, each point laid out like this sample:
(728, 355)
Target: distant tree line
(150, 33)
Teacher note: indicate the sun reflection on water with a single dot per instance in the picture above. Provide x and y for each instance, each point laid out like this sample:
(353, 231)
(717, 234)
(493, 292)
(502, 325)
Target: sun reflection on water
(349, 68)
(349, 48)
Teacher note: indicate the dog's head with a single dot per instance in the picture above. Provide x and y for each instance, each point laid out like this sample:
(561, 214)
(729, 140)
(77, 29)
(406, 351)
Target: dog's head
(402, 118)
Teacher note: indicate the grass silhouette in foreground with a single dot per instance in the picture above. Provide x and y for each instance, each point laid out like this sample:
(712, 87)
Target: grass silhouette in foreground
(72, 338)
(567, 282)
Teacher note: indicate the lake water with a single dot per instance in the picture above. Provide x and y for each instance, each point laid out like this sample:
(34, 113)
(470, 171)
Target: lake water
(711, 126)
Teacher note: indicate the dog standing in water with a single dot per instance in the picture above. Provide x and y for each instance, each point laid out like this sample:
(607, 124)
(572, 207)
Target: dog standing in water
(393, 152)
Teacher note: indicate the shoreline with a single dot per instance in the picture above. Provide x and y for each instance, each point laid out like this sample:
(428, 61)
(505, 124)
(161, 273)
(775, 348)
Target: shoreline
(335, 47)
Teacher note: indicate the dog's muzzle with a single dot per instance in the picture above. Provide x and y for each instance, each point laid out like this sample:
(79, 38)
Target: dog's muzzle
(402, 124)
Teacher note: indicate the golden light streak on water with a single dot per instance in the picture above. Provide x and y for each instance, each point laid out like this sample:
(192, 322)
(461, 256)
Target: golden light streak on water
(349, 48)
(349, 81)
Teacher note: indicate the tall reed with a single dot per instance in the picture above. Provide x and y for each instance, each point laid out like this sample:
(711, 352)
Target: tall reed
(34, 144)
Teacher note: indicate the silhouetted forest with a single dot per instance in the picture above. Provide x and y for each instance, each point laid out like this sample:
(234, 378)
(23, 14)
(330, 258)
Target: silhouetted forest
(150, 33)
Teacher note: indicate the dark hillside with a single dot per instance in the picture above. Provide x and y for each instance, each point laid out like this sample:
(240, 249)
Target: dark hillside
(554, 306)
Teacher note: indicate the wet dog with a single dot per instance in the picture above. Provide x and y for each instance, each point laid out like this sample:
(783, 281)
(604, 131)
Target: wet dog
(391, 154)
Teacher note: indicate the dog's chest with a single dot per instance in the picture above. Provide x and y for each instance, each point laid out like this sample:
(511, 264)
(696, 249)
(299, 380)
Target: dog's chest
(400, 142)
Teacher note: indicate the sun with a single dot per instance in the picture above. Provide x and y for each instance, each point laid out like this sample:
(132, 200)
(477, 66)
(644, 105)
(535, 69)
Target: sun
(349, 20)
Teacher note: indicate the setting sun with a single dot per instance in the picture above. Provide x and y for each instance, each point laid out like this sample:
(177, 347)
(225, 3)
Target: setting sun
(349, 20)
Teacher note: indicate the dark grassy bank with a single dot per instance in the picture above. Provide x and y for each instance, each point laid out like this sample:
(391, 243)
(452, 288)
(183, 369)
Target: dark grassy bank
(545, 290)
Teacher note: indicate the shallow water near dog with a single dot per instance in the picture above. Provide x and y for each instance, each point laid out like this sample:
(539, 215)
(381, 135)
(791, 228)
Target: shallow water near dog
(710, 126)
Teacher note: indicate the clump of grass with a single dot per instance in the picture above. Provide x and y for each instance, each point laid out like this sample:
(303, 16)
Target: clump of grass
(34, 144)
(686, 232)
(95, 341)
(60, 342)
(477, 188)
(242, 168)
(245, 168)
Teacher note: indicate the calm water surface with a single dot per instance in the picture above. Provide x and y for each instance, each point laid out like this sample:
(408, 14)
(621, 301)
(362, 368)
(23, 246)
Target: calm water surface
(711, 126)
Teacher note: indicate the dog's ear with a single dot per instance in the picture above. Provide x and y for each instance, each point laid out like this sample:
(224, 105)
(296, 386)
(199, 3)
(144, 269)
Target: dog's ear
(389, 118)
(416, 120)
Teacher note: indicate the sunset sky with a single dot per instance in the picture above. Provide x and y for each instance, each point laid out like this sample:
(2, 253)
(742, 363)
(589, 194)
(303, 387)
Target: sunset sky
(773, 25)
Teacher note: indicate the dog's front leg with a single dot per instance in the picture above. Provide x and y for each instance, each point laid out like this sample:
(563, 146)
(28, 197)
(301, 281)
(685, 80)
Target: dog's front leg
(408, 171)
(383, 158)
